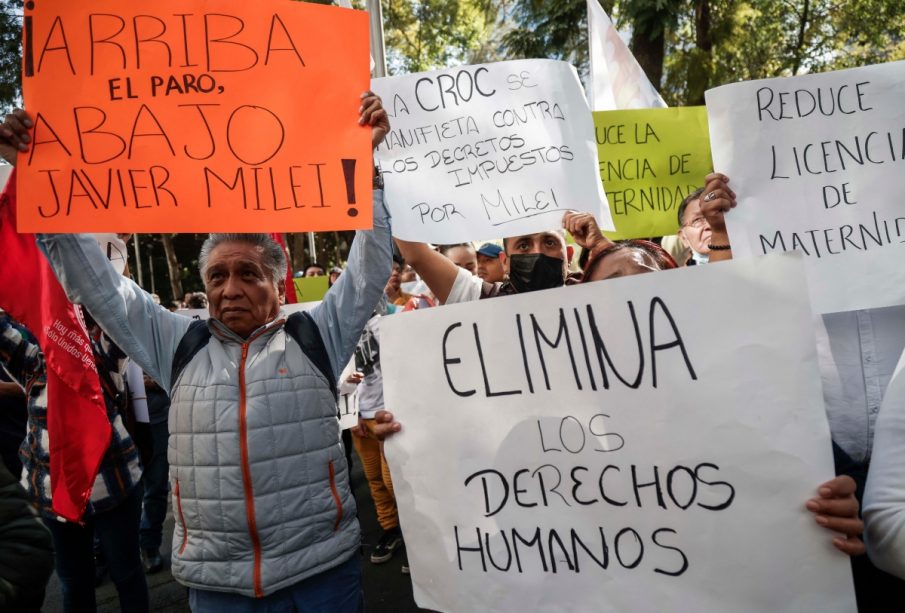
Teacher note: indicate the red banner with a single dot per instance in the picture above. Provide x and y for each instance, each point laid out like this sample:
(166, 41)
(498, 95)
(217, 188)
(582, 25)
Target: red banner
(77, 421)
(291, 297)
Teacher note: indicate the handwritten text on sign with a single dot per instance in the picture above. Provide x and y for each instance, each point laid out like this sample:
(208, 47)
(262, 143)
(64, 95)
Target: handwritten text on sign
(617, 446)
(650, 160)
(187, 116)
(818, 163)
(487, 151)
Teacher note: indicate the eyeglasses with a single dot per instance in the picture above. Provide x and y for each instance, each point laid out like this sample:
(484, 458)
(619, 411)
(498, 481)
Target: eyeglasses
(697, 223)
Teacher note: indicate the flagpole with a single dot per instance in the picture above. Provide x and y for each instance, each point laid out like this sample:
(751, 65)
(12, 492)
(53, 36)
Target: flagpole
(378, 50)
(141, 282)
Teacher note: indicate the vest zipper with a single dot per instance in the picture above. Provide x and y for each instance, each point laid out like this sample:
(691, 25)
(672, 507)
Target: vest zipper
(185, 530)
(336, 499)
(246, 472)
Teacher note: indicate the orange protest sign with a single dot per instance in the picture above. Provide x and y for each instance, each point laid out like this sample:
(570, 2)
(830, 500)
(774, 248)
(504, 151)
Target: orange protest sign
(194, 116)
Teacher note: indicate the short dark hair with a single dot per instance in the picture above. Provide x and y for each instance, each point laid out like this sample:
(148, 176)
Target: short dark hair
(315, 265)
(688, 200)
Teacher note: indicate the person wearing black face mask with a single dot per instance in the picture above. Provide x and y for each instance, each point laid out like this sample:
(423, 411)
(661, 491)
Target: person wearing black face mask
(532, 262)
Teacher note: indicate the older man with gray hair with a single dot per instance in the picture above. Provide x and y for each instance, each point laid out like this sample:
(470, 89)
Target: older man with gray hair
(265, 518)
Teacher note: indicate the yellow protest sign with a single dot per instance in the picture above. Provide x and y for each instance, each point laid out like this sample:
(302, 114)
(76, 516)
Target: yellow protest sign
(650, 160)
(310, 289)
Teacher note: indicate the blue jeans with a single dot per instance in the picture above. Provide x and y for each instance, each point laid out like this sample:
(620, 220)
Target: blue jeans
(155, 481)
(337, 590)
(117, 530)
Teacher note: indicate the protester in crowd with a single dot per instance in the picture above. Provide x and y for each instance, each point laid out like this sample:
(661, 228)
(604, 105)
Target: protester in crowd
(368, 446)
(314, 270)
(884, 496)
(154, 479)
(393, 289)
(695, 230)
(198, 300)
(115, 504)
(624, 258)
(26, 551)
(274, 376)
(333, 277)
(532, 262)
(490, 266)
(462, 255)
(408, 274)
(857, 353)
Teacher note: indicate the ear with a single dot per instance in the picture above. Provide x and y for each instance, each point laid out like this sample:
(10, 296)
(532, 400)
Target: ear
(505, 260)
(682, 239)
(570, 252)
(281, 291)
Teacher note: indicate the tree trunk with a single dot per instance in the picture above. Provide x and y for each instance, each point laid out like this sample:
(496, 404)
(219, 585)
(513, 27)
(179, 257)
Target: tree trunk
(297, 250)
(172, 266)
(701, 62)
(649, 49)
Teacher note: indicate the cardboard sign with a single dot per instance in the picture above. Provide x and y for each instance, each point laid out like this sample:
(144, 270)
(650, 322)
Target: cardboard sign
(194, 116)
(621, 446)
(818, 164)
(650, 160)
(488, 151)
(309, 289)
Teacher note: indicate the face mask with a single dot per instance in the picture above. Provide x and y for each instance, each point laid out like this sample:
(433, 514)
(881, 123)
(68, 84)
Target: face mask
(700, 258)
(529, 272)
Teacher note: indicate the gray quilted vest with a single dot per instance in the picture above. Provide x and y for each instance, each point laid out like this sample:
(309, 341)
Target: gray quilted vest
(258, 476)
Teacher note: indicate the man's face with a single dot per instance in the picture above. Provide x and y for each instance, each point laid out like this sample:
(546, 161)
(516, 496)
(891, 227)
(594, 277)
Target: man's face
(392, 287)
(463, 257)
(551, 244)
(491, 269)
(407, 275)
(239, 289)
(695, 231)
(314, 271)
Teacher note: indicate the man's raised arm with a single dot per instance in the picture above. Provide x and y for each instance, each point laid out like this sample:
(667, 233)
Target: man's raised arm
(145, 331)
(351, 301)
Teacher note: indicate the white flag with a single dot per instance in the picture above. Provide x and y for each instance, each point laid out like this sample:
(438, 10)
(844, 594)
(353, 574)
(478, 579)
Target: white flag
(617, 80)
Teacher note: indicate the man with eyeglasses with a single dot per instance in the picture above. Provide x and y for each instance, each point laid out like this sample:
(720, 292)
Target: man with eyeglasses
(701, 225)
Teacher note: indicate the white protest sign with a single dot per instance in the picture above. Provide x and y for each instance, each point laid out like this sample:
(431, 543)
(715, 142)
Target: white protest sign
(818, 164)
(644, 444)
(348, 398)
(488, 151)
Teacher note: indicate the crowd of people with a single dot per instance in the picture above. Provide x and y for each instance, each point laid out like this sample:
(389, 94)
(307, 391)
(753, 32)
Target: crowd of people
(242, 432)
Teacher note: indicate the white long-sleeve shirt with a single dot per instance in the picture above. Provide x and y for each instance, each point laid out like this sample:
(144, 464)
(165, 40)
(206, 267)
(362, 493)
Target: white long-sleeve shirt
(884, 496)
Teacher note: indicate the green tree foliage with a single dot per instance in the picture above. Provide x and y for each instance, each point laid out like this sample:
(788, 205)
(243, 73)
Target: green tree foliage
(753, 39)
(424, 35)
(10, 53)
(688, 46)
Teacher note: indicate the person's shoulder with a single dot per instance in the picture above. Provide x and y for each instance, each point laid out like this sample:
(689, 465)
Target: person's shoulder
(466, 288)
